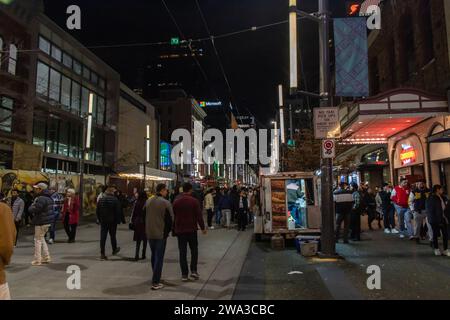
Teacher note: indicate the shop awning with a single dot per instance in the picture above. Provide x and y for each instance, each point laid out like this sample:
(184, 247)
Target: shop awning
(374, 120)
(152, 174)
(440, 137)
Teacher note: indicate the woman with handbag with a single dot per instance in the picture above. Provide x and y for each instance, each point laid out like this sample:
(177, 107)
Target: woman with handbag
(138, 225)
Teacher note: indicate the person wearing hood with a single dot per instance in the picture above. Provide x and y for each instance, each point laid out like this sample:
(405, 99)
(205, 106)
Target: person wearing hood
(42, 216)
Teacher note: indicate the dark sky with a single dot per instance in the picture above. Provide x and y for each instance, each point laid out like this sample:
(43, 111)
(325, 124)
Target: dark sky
(255, 62)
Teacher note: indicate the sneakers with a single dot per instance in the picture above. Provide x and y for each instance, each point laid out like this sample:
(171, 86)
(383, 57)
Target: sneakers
(437, 252)
(395, 231)
(184, 278)
(402, 236)
(51, 241)
(46, 260)
(116, 251)
(157, 286)
(195, 276)
(412, 238)
(211, 228)
(36, 263)
(446, 253)
(386, 230)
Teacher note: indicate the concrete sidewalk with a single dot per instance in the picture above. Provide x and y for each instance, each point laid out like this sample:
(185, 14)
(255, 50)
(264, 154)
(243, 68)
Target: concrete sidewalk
(221, 256)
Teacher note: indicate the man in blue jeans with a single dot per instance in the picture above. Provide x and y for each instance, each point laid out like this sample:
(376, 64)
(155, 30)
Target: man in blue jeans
(158, 224)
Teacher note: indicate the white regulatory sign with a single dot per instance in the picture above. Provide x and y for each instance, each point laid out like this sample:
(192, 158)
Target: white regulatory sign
(326, 123)
(328, 149)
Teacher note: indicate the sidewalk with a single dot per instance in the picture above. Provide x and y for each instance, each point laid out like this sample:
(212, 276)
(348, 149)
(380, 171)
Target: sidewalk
(221, 256)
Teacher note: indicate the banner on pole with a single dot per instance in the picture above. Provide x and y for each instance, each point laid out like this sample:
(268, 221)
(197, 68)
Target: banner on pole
(352, 71)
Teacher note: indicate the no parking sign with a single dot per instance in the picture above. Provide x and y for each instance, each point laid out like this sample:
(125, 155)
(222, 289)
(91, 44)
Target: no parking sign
(328, 149)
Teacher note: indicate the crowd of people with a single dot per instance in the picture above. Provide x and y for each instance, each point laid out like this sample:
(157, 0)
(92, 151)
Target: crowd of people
(154, 217)
(412, 211)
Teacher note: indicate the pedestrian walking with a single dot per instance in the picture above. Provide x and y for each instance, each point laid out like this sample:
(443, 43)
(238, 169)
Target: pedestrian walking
(217, 196)
(58, 202)
(343, 201)
(400, 198)
(417, 204)
(209, 207)
(436, 212)
(7, 240)
(110, 215)
(387, 208)
(18, 207)
(138, 225)
(188, 216)
(242, 211)
(42, 216)
(158, 225)
(357, 210)
(225, 207)
(372, 208)
(234, 197)
(71, 215)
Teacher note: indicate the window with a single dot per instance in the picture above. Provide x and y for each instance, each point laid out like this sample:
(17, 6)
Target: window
(42, 79)
(67, 60)
(56, 53)
(44, 45)
(65, 92)
(39, 132)
(84, 101)
(75, 98)
(77, 67)
(55, 85)
(86, 73)
(63, 143)
(6, 110)
(98, 145)
(52, 136)
(12, 65)
(94, 78)
(101, 111)
(74, 141)
(101, 83)
(1, 49)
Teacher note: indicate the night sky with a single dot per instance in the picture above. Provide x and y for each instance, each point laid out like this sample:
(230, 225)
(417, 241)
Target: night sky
(255, 62)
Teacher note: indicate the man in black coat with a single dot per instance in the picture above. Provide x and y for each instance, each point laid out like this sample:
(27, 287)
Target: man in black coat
(436, 207)
(109, 214)
(343, 202)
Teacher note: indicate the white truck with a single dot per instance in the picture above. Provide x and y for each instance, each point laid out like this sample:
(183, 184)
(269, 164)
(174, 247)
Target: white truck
(289, 205)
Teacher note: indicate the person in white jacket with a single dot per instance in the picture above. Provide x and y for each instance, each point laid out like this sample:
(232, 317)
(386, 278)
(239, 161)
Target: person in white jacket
(209, 206)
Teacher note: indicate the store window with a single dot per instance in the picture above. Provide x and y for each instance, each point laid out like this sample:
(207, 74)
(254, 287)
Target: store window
(75, 103)
(65, 92)
(6, 111)
(12, 64)
(44, 45)
(42, 79)
(56, 53)
(55, 85)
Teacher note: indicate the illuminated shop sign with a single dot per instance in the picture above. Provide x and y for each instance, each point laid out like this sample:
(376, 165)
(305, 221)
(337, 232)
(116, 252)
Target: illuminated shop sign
(204, 104)
(408, 154)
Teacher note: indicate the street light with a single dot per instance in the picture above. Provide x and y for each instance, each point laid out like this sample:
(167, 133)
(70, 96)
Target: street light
(281, 104)
(147, 154)
(293, 44)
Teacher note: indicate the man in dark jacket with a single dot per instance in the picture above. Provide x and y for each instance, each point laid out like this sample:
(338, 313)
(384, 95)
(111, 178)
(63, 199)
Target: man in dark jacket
(109, 214)
(188, 216)
(343, 202)
(435, 207)
(42, 214)
(242, 211)
(387, 208)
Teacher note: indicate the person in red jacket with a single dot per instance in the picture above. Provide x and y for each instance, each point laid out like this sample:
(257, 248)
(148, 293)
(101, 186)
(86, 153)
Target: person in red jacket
(188, 216)
(399, 197)
(71, 214)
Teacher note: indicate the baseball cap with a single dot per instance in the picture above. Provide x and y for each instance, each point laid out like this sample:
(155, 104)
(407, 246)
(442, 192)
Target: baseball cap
(41, 185)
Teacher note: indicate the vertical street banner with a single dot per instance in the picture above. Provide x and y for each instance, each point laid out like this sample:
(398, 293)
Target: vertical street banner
(352, 71)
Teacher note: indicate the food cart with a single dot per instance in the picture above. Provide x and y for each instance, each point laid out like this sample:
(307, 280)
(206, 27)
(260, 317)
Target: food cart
(289, 205)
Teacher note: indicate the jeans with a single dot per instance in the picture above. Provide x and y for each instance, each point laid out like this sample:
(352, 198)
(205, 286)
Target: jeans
(210, 214)
(409, 217)
(355, 219)
(106, 228)
(17, 224)
(342, 217)
(419, 218)
(218, 216)
(40, 246)
(389, 217)
(158, 247)
(52, 230)
(242, 219)
(437, 229)
(401, 212)
(71, 229)
(226, 213)
(183, 241)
